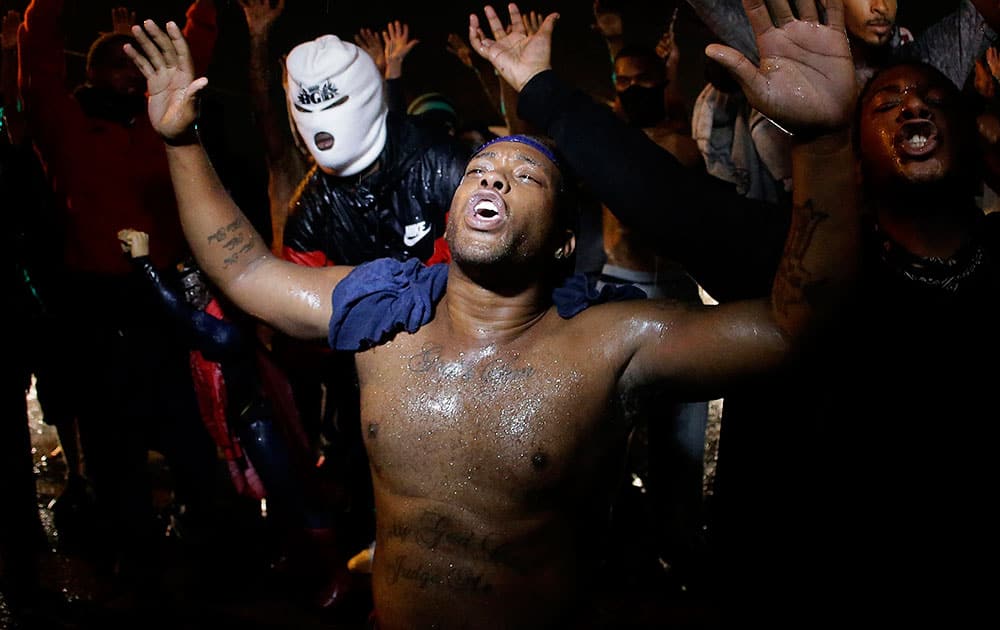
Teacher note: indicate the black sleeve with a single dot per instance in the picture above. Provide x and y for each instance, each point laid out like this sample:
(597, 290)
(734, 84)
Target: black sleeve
(730, 244)
(448, 158)
(212, 336)
(304, 224)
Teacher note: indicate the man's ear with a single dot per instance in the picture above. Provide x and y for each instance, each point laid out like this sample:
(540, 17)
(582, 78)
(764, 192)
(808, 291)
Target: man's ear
(568, 246)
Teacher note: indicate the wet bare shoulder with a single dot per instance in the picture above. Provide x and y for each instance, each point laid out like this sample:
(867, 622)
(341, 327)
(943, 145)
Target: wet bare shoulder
(625, 323)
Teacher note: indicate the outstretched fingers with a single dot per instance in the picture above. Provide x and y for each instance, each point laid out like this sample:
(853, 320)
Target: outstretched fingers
(781, 12)
(759, 16)
(478, 40)
(181, 46)
(738, 65)
(496, 26)
(516, 20)
(151, 51)
(165, 42)
(175, 48)
(139, 59)
(807, 10)
(548, 25)
(834, 14)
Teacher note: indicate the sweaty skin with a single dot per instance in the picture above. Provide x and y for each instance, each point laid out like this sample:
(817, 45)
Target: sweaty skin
(492, 445)
(491, 439)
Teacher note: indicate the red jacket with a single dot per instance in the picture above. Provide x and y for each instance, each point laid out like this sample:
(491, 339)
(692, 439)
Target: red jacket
(109, 175)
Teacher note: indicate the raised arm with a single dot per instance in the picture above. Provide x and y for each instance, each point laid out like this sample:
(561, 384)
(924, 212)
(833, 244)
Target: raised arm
(491, 88)
(214, 336)
(290, 297)
(122, 19)
(730, 244)
(370, 42)
(286, 164)
(397, 46)
(805, 82)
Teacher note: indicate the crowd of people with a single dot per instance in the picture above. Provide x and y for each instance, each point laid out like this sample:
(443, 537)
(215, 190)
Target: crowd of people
(467, 367)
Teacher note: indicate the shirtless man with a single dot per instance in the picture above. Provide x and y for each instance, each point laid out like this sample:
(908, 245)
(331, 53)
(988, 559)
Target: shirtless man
(488, 420)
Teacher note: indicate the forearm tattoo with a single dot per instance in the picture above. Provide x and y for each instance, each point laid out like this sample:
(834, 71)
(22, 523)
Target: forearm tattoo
(795, 284)
(236, 238)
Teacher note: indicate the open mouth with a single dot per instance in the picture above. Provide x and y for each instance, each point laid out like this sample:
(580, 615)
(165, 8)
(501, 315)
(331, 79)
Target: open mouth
(486, 211)
(323, 140)
(917, 138)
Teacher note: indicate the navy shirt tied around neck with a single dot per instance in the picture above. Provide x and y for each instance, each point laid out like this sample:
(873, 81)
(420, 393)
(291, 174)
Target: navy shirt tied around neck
(385, 296)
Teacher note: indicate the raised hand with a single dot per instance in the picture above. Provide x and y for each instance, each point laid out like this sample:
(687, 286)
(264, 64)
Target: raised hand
(260, 15)
(397, 46)
(166, 63)
(370, 42)
(532, 22)
(133, 242)
(607, 21)
(667, 50)
(516, 55)
(122, 20)
(805, 81)
(458, 47)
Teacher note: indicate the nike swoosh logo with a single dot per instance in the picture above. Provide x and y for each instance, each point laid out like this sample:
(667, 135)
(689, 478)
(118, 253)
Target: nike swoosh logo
(416, 232)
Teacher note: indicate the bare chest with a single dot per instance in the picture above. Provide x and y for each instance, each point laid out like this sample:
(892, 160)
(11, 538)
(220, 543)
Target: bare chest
(440, 422)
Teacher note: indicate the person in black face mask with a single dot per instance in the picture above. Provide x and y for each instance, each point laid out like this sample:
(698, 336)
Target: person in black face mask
(132, 389)
(662, 521)
(640, 98)
(113, 92)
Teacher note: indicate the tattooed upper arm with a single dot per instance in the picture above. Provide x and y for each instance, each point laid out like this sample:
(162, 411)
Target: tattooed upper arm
(236, 238)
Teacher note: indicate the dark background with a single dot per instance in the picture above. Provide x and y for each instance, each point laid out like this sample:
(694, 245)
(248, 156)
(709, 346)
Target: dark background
(228, 127)
(579, 53)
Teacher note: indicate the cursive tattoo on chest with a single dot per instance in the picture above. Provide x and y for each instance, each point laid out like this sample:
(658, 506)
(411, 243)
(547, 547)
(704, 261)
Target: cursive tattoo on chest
(435, 532)
(494, 371)
(429, 574)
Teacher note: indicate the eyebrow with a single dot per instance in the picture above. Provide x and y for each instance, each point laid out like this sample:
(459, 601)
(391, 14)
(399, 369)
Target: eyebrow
(529, 160)
(896, 88)
(518, 156)
(892, 89)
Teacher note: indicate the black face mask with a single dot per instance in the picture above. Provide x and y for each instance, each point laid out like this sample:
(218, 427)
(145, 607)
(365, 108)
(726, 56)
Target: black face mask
(106, 104)
(643, 106)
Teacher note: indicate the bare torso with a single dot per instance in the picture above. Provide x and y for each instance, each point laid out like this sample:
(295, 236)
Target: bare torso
(492, 465)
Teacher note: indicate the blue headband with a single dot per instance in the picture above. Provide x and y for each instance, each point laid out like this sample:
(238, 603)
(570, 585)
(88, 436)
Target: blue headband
(531, 142)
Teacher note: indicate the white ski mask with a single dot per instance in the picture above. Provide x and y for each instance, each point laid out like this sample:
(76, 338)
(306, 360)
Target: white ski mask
(336, 99)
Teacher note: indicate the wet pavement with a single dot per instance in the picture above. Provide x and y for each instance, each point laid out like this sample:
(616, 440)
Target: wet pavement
(234, 581)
